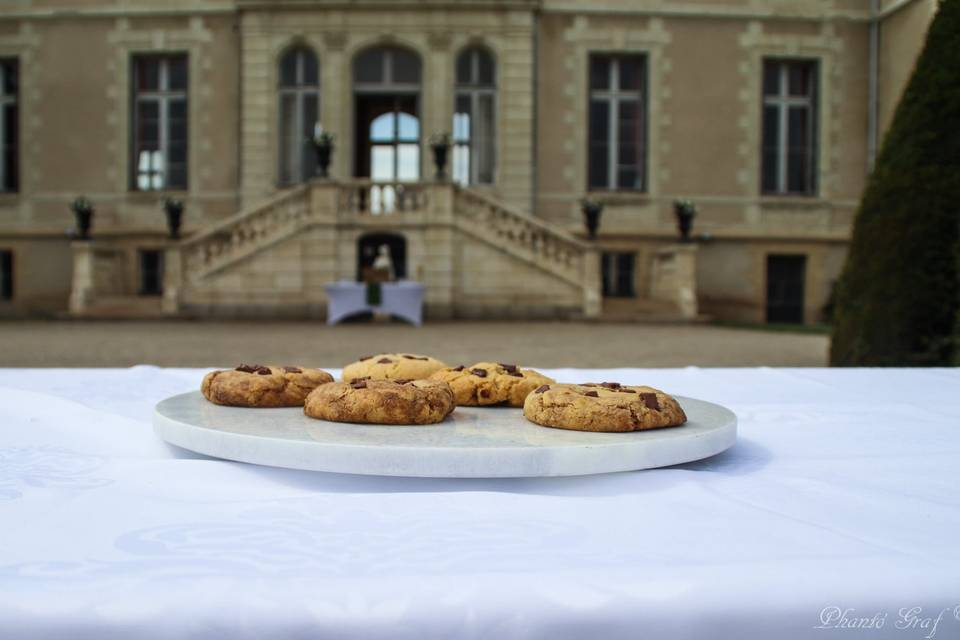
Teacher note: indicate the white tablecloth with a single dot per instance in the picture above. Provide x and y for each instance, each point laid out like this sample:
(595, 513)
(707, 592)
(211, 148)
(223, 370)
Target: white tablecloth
(403, 299)
(840, 501)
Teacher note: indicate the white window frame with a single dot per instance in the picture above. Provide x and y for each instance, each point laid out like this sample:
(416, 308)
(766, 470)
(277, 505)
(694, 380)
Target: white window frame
(782, 102)
(154, 165)
(614, 96)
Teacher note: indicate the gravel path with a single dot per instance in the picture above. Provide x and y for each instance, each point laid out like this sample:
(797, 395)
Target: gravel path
(544, 344)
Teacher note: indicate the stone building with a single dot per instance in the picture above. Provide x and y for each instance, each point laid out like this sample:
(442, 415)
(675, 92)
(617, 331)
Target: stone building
(765, 113)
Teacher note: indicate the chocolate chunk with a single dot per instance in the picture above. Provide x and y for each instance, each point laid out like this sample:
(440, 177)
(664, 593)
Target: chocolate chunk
(650, 400)
(248, 368)
(591, 394)
(352, 380)
(293, 369)
(511, 368)
(484, 393)
(626, 390)
(409, 357)
(362, 358)
(263, 371)
(541, 388)
(359, 384)
(403, 380)
(515, 374)
(460, 368)
(610, 385)
(480, 373)
(384, 361)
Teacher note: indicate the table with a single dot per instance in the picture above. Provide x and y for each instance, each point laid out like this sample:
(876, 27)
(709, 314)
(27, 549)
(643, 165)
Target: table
(403, 299)
(841, 495)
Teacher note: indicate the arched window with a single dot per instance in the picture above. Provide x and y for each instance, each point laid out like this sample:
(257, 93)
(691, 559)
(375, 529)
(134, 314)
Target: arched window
(299, 95)
(474, 118)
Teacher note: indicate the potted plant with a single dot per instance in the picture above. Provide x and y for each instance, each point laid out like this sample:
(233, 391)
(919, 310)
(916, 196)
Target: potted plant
(685, 211)
(591, 215)
(174, 210)
(323, 144)
(440, 143)
(83, 212)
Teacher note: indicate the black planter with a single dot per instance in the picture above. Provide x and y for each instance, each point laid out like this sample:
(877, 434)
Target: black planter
(685, 215)
(440, 152)
(324, 152)
(174, 218)
(84, 222)
(591, 217)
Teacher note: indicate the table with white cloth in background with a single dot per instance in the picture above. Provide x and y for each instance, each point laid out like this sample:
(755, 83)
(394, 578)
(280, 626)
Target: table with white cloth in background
(839, 501)
(402, 298)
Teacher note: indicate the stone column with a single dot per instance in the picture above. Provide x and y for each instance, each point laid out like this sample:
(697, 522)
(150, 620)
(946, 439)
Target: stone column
(172, 280)
(82, 285)
(592, 299)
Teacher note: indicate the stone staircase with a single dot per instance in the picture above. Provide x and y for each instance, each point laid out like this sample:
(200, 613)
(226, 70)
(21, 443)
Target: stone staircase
(450, 219)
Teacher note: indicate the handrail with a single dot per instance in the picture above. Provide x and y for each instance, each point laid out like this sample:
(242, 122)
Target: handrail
(227, 223)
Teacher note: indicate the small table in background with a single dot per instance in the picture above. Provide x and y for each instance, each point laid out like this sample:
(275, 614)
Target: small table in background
(403, 299)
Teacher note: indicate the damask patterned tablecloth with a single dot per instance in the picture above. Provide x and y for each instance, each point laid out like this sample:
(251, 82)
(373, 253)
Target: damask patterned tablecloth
(838, 507)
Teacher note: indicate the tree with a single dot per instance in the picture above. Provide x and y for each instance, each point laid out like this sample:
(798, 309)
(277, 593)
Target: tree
(898, 299)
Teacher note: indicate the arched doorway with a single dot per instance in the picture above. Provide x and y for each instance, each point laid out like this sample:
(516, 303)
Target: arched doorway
(369, 244)
(386, 85)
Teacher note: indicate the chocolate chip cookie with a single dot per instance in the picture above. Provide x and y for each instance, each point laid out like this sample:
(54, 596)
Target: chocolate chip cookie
(256, 385)
(488, 383)
(605, 406)
(381, 401)
(392, 366)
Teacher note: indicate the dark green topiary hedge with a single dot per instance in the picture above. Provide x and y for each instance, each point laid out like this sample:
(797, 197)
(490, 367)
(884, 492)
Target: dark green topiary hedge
(898, 300)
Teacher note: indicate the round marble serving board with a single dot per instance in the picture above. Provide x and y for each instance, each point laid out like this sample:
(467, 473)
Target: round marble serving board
(474, 442)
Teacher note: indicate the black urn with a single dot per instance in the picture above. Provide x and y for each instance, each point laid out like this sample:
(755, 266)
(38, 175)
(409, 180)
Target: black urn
(174, 210)
(685, 211)
(323, 147)
(591, 216)
(440, 152)
(83, 213)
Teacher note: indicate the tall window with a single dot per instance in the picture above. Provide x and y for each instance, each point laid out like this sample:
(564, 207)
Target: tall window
(9, 84)
(617, 144)
(789, 127)
(160, 122)
(474, 117)
(6, 274)
(299, 92)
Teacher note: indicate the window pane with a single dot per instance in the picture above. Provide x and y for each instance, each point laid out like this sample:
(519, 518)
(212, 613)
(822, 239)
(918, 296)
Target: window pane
(799, 154)
(151, 272)
(771, 77)
(408, 162)
(465, 67)
(147, 70)
(461, 164)
(177, 73)
(625, 274)
(461, 118)
(9, 71)
(406, 66)
(382, 128)
(310, 68)
(770, 162)
(288, 69)
(599, 72)
(408, 127)
(310, 117)
(631, 73)
(289, 149)
(485, 67)
(6, 275)
(599, 144)
(369, 66)
(800, 78)
(381, 162)
(484, 139)
(629, 145)
(10, 157)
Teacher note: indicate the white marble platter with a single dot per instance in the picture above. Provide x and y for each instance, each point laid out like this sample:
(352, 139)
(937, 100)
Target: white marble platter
(489, 442)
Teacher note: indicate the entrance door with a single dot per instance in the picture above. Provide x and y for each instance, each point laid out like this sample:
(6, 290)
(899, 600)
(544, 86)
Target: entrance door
(785, 284)
(388, 138)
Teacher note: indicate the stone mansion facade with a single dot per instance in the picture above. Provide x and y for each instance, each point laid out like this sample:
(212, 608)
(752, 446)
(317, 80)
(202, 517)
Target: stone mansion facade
(766, 114)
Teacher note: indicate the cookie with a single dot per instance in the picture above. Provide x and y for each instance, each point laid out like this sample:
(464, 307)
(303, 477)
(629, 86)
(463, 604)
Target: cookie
(255, 385)
(381, 401)
(607, 406)
(392, 366)
(491, 383)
